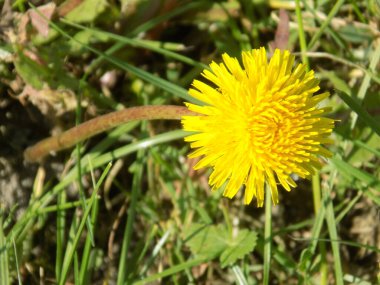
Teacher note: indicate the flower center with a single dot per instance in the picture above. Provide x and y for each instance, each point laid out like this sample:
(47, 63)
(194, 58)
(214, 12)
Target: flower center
(265, 124)
(263, 131)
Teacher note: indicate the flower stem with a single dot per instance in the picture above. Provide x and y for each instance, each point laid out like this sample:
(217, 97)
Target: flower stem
(267, 235)
(315, 179)
(322, 247)
(100, 124)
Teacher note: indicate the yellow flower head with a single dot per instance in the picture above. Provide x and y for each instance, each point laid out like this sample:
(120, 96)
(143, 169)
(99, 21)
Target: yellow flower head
(260, 123)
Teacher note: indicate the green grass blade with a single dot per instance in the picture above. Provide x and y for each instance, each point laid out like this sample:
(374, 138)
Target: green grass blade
(136, 189)
(301, 34)
(351, 171)
(357, 11)
(373, 248)
(366, 147)
(82, 196)
(76, 269)
(332, 228)
(60, 207)
(4, 268)
(139, 44)
(319, 20)
(133, 147)
(17, 263)
(316, 184)
(240, 278)
(375, 57)
(178, 11)
(341, 60)
(70, 253)
(83, 272)
(360, 111)
(147, 244)
(146, 76)
(155, 80)
(155, 252)
(347, 208)
(309, 252)
(61, 225)
(26, 221)
(112, 137)
(171, 271)
(325, 24)
(70, 245)
(195, 203)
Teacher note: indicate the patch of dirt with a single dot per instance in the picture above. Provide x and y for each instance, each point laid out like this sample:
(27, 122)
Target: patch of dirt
(19, 128)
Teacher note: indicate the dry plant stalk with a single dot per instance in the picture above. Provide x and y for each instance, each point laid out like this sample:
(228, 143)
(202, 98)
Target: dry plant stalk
(100, 124)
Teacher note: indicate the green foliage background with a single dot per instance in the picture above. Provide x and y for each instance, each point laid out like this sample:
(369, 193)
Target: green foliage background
(148, 218)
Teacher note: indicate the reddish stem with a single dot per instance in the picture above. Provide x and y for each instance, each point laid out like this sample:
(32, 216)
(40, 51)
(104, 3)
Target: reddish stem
(100, 124)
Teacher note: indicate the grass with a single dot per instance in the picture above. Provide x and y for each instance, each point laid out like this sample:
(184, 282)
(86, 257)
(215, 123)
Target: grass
(126, 207)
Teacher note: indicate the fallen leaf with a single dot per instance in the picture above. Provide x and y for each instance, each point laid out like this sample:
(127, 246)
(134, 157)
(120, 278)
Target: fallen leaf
(281, 37)
(68, 6)
(40, 23)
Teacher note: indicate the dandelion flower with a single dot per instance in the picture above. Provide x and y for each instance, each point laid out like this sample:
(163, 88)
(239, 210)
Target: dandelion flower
(260, 124)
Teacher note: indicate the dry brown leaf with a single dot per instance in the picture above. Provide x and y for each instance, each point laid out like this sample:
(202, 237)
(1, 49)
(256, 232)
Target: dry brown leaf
(49, 102)
(40, 23)
(68, 6)
(281, 37)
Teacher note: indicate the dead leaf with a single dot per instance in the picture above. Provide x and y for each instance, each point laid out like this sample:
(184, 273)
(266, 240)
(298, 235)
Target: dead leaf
(40, 23)
(52, 103)
(6, 15)
(68, 6)
(22, 34)
(34, 56)
(281, 37)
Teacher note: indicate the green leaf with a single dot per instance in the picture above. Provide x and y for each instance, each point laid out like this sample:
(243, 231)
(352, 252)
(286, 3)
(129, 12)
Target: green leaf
(369, 181)
(355, 34)
(338, 83)
(5, 55)
(87, 11)
(305, 259)
(30, 71)
(211, 241)
(49, 70)
(205, 240)
(366, 150)
(346, 169)
(85, 37)
(370, 148)
(238, 247)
